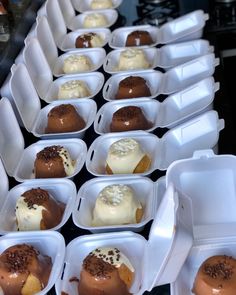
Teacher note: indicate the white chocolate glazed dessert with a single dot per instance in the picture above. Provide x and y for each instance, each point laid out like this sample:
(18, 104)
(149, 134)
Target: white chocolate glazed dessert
(95, 20)
(116, 204)
(101, 4)
(73, 89)
(77, 63)
(132, 59)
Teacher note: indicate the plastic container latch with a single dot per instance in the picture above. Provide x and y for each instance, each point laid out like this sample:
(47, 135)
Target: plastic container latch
(203, 154)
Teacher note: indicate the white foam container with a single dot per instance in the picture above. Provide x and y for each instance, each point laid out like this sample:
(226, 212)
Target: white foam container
(175, 109)
(76, 22)
(44, 35)
(152, 267)
(85, 5)
(118, 36)
(175, 79)
(96, 55)
(48, 243)
(19, 162)
(41, 75)
(185, 28)
(148, 193)
(178, 143)
(33, 117)
(66, 41)
(209, 180)
(63, 190)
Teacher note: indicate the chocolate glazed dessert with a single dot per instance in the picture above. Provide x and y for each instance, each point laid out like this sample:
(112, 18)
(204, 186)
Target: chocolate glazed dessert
(129, 118)
(64, 118)
(36, 209)
(88, 40)
(103, 272)
(217, 275)
(23, 270)
(53, 161)
(139, 38)
(132, 87)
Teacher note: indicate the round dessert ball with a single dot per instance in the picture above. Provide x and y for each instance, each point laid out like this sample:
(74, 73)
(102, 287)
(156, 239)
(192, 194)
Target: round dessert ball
(129, 118)
(216, 275)
(139, 38)
(36, 209)
(77, 63)
(133, 59)
(53, 162)
(106, 270)
(132, 87)
(95, 20)
(101, 4)
(88, 40)
(115, 205)
(23, 270)
(125, 156)
(73, 89)
(64, 118)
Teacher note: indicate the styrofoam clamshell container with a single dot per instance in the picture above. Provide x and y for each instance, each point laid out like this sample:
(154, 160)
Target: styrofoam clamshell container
(41, 75)
(19, 162)
(96, 55)
(149, 194)
(175, 79)
(178, 143)
(111, 61)
(85, 5)
(209, 180)
(118, 36)
(175, 109)
(63, 190)
(4, 183)
(77, 22)
(152, 267)
(58, 27)
(50, 243)
(34, 118)
(68, 43)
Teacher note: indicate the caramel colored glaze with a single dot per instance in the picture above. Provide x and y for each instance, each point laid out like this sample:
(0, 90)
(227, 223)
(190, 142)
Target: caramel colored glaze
(64, 118)
(129, 118)
(54, 210)
(17, 263)
(217, 275)
(84, 41)
(139, 38)
(100, 278)
(142, 166)
(132, 87)
(49, 164)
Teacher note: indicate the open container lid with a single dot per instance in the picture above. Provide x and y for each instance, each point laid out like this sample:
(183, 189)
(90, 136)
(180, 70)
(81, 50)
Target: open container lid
(170, 240)
(12, 140)
(46, 40)
(210, 181)
(186, 27)
(37, 66)
(24, 95)
(4, 183)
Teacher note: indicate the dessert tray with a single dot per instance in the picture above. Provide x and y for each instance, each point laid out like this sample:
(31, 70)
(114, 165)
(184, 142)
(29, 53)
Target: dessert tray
(171, 202)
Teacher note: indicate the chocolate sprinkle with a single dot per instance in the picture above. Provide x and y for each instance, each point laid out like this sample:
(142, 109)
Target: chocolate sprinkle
(49, 153)
(36, 196)
(223, 269)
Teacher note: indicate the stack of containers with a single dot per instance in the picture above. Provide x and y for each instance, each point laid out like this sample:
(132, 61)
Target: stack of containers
(191, 130)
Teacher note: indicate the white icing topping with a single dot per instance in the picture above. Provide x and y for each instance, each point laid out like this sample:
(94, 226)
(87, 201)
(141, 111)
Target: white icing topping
(67, 162)
(28, 218)
(116, 204)
(101, 4)
(73, 89)
(76, 63)
(124, 156)
(95, 20)
(114, 255)
(133, 58)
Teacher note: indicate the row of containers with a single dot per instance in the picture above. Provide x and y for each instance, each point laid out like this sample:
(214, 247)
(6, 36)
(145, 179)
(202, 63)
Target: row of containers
(181, 204)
